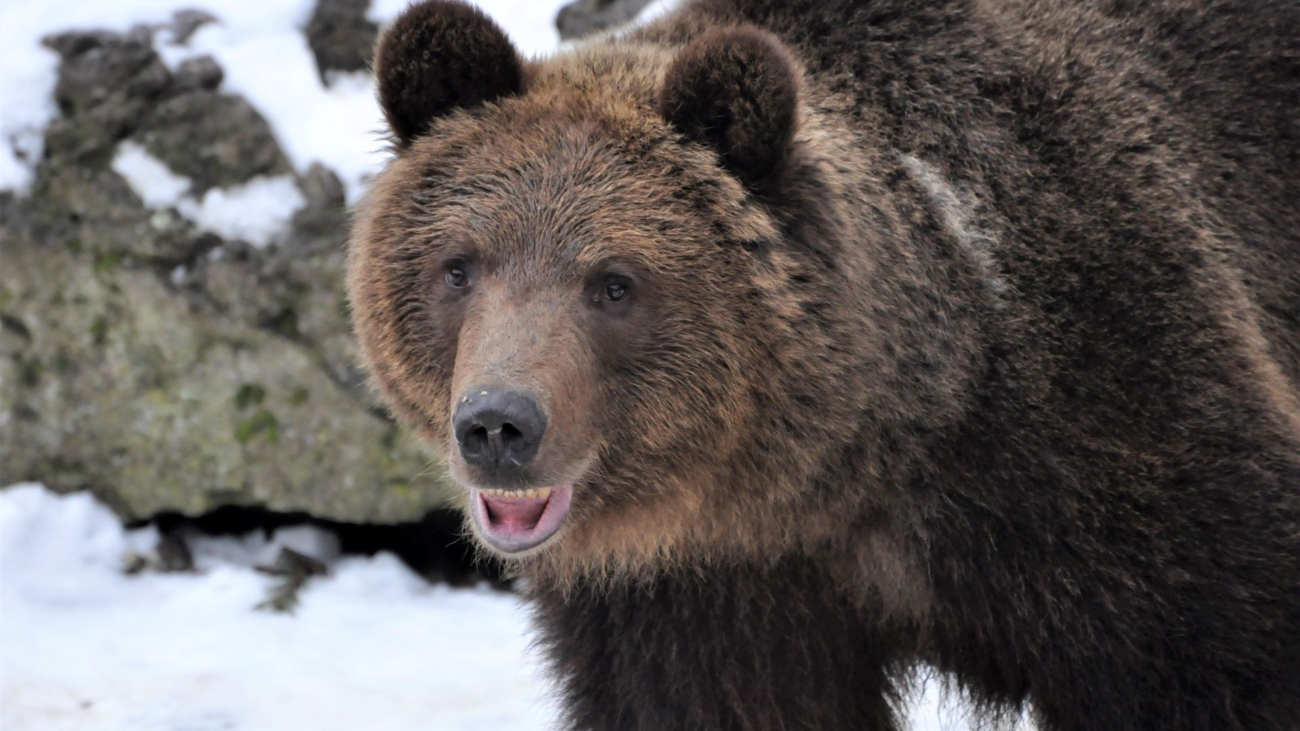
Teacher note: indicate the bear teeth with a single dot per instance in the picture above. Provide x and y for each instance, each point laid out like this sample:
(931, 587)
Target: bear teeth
(533, 493)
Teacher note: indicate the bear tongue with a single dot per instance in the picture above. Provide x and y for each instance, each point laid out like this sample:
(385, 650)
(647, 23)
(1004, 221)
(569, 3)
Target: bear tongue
(515, 515)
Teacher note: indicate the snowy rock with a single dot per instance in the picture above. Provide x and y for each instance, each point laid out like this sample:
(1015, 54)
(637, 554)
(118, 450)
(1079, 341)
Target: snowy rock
(149, 177)
(324, 192)
(94, 209)
(106, 83)
(340, 36)
(159, 399)
(214, 139)
(175, 335)
(255, 211)
(99, 66)
(584, 17)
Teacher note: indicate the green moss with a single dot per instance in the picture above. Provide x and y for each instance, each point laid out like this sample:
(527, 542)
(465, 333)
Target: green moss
(217, 496)
(75, 246)
(99, 330)
(62, 363)
(388, 440)
(14, 325)
(107, 261)
(29, 373)
(264, 423)
(285, 322)
(249, 394)
(299, 396)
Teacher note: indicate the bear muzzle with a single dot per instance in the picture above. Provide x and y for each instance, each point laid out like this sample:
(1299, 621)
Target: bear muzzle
(498, 433)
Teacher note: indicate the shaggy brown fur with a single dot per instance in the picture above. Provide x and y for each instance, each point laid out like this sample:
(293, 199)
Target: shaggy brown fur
(964, 331)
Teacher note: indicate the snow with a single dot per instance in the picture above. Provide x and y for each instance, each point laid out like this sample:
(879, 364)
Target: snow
(371, 646)
(83, 645)
(149, 177)
(255, 211)
(257, 549)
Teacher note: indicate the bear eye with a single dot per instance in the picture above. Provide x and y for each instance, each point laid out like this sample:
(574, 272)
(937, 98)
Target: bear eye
(616, 291)
(457, 277)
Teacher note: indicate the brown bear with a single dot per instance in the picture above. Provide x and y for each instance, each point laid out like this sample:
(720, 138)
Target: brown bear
(784, 345)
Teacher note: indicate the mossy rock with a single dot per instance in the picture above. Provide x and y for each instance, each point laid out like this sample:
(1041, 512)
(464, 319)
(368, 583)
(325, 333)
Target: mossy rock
(159, 398)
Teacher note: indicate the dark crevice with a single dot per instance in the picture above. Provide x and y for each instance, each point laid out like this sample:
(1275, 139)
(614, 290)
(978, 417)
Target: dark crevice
(433, 547)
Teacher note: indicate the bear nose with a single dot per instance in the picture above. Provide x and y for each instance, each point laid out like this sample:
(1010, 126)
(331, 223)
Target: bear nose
(498, 430)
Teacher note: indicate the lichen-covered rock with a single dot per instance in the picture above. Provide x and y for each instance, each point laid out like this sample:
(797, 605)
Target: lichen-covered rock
(100, 66)
(165, 368)
(163, 397)
(196, 74)
(584, 17)
(93, 208)
(113, 380)
(107, 81)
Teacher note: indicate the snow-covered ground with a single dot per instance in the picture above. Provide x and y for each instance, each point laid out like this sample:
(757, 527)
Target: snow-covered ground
(83, 646)
(371, 646)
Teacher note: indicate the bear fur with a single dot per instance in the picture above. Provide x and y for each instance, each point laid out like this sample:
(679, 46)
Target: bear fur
(964, 332)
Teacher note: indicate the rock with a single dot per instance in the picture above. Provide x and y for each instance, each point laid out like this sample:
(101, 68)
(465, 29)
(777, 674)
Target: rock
(584, 17)
(94, 209)
(71, 140)
(314, 252)
(157, 399)
(325, 198)
(106, 82)
(186, 22)
(99, 67)
(215, 139)
(112, 86)
(168, 369)
(197, 74)
(340, 36)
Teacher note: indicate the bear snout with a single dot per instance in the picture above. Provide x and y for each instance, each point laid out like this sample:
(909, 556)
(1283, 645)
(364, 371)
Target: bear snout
(498, 430)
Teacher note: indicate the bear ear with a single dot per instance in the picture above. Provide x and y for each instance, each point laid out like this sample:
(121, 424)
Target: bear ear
(439, 56)
(735, 90)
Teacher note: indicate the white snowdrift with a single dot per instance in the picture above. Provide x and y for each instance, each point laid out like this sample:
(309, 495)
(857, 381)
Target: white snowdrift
(371, 647)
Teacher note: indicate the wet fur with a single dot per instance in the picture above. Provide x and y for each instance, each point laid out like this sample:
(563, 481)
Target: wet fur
(1060, 460)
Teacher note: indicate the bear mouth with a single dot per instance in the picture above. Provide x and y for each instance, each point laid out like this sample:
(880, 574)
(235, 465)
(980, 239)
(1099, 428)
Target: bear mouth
(514, 521)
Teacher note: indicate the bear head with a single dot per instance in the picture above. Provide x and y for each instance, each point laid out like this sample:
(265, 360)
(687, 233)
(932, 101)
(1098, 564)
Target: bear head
(607, 286)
